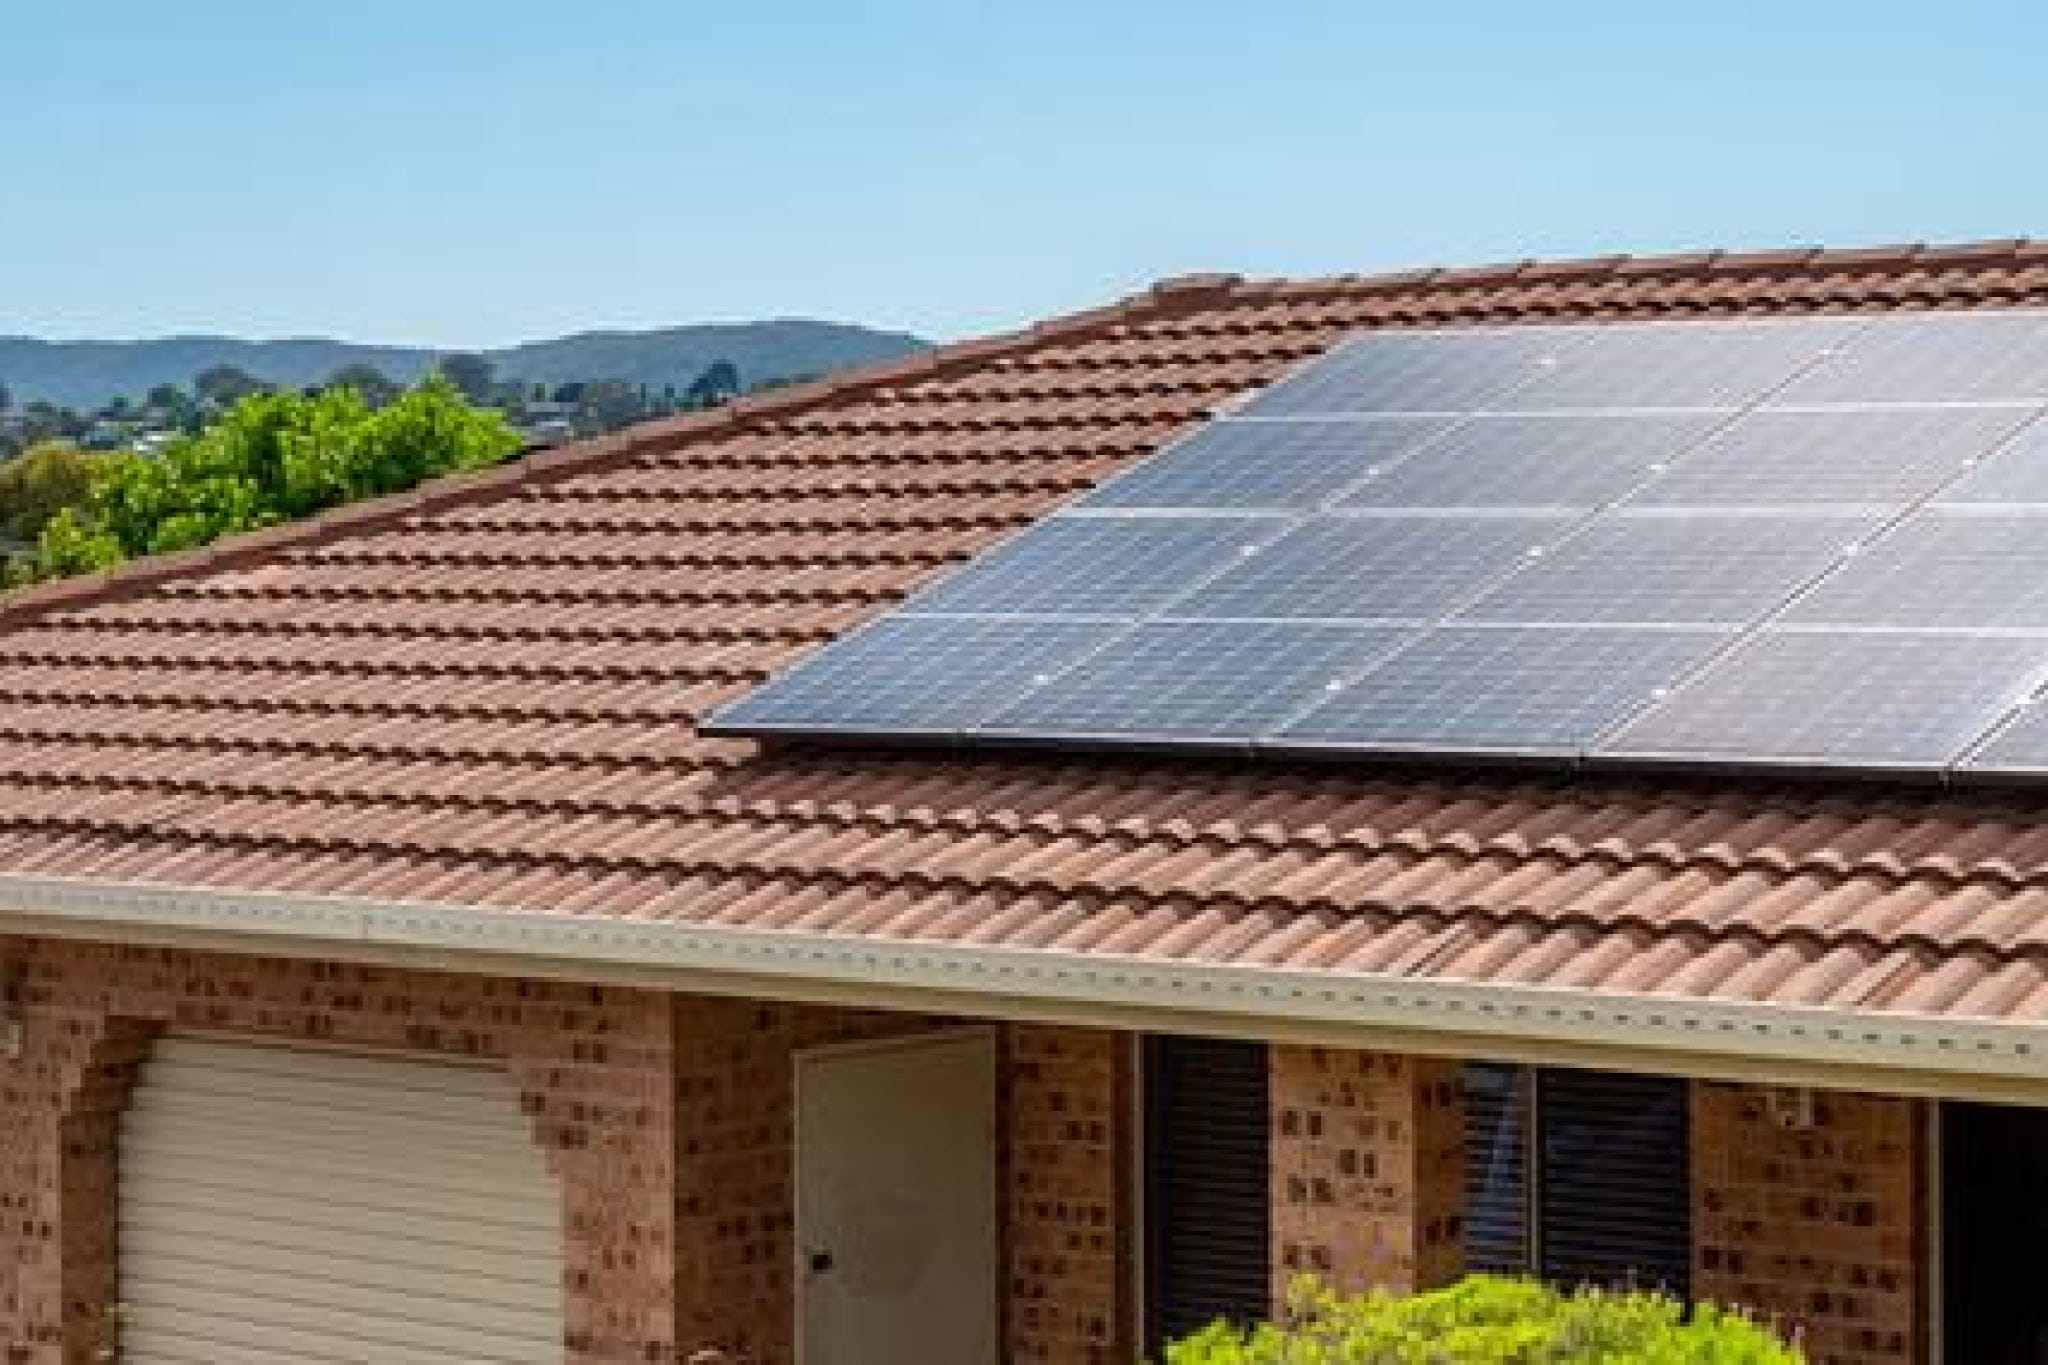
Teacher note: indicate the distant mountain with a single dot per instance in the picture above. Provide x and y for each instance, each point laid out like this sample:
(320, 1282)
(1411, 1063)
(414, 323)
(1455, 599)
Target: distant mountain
(85, 374)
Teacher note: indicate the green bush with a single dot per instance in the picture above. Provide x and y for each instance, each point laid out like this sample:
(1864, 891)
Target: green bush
(273, 457)
(1490, 1320)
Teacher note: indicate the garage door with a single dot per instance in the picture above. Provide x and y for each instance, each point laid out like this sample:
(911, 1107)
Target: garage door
(300, 1205)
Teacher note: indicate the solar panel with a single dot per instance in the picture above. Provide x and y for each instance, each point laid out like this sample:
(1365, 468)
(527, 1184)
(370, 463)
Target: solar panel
(2017, 472)
(1656, 365)
(1660, 568)
(1939, 567)
(1097, 566)
(908, 675)
(1399, 568)
(1196, 679)
(2021, 747)
(1818, 541)
(1296, 463)
(1873, 456)
(1516, 689)
(1451, 370)
(1534, 460)
(1873, 699)
(1935, 357)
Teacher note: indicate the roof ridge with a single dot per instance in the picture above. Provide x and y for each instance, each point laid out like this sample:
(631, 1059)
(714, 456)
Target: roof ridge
(1900, 256)
(1160, 300)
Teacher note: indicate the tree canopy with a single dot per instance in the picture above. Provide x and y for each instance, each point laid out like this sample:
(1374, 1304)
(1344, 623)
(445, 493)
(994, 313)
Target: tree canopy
(225, 384)
(273, 457)
(44, 480)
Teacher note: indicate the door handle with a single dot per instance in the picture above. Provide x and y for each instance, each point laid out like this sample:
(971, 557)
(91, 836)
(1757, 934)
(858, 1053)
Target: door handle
(820, 1261)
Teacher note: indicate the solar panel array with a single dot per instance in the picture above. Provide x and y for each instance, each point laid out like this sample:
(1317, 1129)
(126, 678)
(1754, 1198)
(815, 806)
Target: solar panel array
(1794, 543)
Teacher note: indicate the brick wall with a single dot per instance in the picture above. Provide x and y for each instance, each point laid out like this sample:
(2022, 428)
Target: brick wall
(668, 1119)
(1818, 1225)
(1064, 1178)
(1368, 1169)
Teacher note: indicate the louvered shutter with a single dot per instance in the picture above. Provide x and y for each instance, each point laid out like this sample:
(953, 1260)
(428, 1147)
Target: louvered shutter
(1613, 1192)
(1207, 1190)
(1497, 1168)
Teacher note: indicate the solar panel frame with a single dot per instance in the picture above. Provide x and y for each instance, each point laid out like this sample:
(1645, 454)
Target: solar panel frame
(1578, 460)
(1808, 681)
(1212, 683)
(1986, 354)
(1371, 567)
(1721, 365)
(1302, 462)
(1082, 565)
(1446, 691)
(1658, 568)
(1789, 458)
(945, 672)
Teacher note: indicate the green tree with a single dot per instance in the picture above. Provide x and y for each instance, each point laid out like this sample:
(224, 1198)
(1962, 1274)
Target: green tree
(43, 481)
(372, 383)
(719, 383)
(272, 457)
(6, 398)
(1490, 1320)
(471, 374)
(225, 385)
(167, 398)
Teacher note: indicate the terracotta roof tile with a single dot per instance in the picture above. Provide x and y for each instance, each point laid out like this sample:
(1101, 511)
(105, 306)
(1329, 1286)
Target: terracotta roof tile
(483, 693)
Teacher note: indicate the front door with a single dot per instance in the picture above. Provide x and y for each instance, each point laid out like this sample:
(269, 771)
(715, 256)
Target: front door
(1994, 1224)
(896, 1201)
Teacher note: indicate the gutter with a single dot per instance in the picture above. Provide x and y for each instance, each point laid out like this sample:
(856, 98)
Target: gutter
(1791, 1045)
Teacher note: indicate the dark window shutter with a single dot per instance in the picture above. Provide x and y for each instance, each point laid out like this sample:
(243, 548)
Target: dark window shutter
(1207, 1192)
(1497, 1168)
(1613, 1192)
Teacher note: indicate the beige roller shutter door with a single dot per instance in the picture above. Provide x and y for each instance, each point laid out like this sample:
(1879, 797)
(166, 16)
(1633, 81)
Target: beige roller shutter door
(304, 1205)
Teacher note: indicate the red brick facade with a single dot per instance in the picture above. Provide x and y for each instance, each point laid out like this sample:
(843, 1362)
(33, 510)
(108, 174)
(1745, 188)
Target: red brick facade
(670, 1122)
(1813, 1212)
(668, 1119)
(1368, 1169)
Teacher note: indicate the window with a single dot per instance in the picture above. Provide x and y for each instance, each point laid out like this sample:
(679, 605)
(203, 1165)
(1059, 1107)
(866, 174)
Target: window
(1580, 1177)
(1207, 1185)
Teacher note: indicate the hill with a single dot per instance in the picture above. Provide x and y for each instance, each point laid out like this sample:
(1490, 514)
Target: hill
(85, 374)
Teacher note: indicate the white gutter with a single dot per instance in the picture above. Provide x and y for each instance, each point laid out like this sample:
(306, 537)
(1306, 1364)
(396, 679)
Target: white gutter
(1784, 1044)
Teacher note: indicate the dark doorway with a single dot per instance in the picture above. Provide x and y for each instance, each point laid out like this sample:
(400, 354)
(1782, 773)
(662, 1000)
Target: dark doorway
(1994, 1183)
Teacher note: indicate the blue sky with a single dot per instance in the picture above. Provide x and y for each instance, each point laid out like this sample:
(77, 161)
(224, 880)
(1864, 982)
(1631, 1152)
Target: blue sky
(475, 172)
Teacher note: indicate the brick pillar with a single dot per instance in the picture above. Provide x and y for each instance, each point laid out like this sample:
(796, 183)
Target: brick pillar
(1067, 1265)
(1368, 1169)
(1819, 1225)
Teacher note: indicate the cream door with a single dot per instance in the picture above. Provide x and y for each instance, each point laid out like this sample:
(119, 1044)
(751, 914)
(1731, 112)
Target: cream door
(896, 1201)
(305, 1206)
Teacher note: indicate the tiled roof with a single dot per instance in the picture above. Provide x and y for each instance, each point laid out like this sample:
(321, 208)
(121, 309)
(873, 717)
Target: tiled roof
(482, 694)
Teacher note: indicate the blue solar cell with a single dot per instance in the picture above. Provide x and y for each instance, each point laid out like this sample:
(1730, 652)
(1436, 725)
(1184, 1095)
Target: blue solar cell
(1871, 456)
(1657, 568)
(1448, 370)
(2016, 472)
(1882, 699)
(914, 675)
(1281, 464)
(1982, 354)
(1524, 690)
(1395, 568)
(1107, 566)
(1534, 460)
(1679, 364)
(1195, 679)
(1941, 567)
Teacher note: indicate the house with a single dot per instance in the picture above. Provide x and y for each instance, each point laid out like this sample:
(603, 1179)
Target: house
(390, 970)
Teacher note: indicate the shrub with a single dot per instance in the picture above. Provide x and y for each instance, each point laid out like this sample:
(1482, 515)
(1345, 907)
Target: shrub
(1490, 1320)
